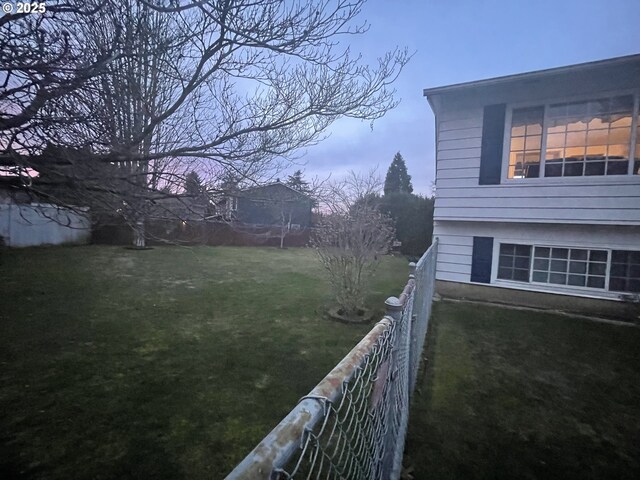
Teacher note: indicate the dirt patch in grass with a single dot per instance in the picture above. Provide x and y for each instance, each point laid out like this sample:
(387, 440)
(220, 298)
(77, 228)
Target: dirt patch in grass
(361, 316)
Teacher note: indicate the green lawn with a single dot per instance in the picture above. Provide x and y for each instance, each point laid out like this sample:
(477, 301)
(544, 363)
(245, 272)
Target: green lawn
(166, 363)
(520, 394)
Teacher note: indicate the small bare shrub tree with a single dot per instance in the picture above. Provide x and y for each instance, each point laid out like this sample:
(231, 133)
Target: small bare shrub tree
(350, 240)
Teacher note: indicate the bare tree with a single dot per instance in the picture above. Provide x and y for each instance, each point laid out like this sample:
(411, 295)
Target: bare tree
(350, 239)
(168, 86)
(288, 208)
(123, 102)
(41, 61)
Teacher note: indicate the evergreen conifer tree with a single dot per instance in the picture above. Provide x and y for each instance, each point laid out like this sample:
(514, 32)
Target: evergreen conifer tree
(298, 183)
(193, 184)
(397, 179)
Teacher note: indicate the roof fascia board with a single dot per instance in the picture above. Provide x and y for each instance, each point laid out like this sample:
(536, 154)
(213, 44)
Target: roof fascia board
(428, 92)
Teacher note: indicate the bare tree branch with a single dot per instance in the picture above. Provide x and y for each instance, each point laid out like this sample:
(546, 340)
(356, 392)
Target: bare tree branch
(133, 94)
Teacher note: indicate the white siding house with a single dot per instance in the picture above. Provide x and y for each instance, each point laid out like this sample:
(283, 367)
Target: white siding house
(538, 182)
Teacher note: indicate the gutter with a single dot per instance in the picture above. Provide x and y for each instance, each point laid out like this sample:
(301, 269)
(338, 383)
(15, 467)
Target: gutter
(628, 59)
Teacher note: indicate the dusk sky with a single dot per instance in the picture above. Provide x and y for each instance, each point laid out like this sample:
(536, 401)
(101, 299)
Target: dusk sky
(463, 40)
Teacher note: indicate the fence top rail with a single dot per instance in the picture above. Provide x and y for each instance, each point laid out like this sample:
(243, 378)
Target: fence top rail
(426, 254)
(406, 292)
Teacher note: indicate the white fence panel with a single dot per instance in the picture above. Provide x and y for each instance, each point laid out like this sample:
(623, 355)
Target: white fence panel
(27, 225)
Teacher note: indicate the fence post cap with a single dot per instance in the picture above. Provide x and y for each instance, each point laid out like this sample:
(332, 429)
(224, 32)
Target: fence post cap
(393, 304)
(412, 269)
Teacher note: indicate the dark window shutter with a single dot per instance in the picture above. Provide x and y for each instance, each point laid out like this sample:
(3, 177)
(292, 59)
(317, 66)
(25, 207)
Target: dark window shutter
(481, 259)
(492, 141)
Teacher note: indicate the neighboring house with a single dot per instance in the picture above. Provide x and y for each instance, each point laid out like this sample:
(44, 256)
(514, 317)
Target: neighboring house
(538, 186)
(182, 207)
(270, 205)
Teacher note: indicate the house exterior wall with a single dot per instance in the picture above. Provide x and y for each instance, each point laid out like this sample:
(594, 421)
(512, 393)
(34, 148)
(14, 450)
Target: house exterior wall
(599, 212)
(26, 225)
(455, 244)
(612, 200)
(598, 307)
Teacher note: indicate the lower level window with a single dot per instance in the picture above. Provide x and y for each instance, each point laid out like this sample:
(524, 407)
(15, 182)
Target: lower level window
(617, 270)
(625, 271)
(514, 262)
(570, 266)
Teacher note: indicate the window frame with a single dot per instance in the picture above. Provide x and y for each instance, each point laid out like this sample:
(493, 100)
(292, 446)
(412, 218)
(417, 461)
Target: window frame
(605, 288)
(530, 285)
(626, 277)
(548, 285)
(531, 247)
(590, 179)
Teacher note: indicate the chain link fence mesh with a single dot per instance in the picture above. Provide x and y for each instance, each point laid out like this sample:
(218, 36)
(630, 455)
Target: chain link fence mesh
(425, 289)
(352, 425)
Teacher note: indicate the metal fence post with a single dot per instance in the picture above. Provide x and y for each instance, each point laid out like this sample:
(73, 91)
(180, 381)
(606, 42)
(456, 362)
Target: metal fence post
(393, 312)
(403, 366)
(393, 308)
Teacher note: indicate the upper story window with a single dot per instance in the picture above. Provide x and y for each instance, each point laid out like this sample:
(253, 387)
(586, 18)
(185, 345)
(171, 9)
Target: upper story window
(526, 142)
(575, 139)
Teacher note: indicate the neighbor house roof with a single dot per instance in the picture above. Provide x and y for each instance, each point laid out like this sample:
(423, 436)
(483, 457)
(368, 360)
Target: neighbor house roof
(274, 184)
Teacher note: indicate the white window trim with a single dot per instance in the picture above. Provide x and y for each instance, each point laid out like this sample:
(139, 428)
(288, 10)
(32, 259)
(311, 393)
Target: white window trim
(590, 179)
(577, 287)
(555, 288)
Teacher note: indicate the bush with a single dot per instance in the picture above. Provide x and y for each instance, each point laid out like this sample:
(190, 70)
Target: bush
(413, 220)
(349, 246)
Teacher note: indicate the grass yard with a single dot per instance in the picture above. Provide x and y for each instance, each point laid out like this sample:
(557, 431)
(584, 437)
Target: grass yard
(520, 394)
(168, 363)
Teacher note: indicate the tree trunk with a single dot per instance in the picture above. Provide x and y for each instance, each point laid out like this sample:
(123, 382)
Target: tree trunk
(138, 235)
(282, 235)
(284, 228)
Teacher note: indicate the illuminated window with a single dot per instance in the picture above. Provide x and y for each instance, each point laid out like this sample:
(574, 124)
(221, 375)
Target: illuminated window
(526, 141)
(589, 138)
(574, 139)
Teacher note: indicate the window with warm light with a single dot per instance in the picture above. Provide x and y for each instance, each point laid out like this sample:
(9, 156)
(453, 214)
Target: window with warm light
(575, 139)
(526, 142)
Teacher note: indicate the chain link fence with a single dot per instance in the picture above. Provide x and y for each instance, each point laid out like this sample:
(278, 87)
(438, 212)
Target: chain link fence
(353, 424)
(425, 289)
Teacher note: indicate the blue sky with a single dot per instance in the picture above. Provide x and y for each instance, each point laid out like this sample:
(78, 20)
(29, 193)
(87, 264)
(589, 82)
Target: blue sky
(462, 40)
